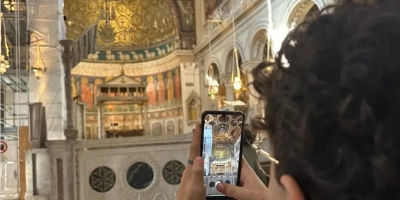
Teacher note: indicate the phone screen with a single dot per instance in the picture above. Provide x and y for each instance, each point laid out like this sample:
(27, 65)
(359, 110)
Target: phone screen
(222, 138)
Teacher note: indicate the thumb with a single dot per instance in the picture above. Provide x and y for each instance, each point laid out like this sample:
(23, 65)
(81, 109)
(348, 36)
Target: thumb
(233, 191)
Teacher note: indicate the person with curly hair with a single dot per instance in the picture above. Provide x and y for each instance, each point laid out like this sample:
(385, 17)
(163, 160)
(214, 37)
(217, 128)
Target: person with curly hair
(332, 110)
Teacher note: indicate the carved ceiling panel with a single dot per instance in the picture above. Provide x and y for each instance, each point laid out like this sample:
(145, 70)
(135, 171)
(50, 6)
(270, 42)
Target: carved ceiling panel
(124, 24)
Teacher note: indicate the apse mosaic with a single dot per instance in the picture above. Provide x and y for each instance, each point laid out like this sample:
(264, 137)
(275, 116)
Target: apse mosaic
(172, 172)
(163, 89)
(123, 23)
(102, 179)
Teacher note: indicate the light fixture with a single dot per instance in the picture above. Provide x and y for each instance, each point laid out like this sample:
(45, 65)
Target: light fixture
(10, 5)
(39, 66)
(4, 63)
(236, 80)
(237, 83)
(212, 82)
(212, 91)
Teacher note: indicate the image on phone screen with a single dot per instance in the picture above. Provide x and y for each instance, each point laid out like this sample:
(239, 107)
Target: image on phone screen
(221, 150)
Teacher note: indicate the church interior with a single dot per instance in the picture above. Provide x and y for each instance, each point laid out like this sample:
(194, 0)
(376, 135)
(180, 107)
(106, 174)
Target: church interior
(99, 98)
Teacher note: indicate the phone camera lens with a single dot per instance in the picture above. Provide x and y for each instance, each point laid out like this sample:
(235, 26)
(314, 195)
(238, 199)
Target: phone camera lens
(212, 184)
(228, 182)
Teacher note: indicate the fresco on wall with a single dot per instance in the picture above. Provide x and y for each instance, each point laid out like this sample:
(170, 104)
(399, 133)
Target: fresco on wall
(163, 89)
(210, 6)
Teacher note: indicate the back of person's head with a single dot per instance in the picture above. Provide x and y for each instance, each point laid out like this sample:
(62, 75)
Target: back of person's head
(333, 109)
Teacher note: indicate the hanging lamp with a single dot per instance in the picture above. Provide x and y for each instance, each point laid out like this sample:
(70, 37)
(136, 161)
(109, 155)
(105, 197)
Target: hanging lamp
(236, 81)
(4, 63)
(213, 85)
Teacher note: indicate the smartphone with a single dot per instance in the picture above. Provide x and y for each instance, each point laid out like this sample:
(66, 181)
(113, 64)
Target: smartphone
(221, 149)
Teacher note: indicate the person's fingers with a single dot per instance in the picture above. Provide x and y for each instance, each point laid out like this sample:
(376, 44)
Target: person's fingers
(233, 191)
(198, 177)
(195, 145)
(246, 170)
(194, 151)
(198, 171)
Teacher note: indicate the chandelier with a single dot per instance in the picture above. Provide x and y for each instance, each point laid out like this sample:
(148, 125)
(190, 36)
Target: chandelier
(212, 81)
(213, 85)
(39, 66)
(213, 92)
(4, 63)
(236, 81)
(14, 5)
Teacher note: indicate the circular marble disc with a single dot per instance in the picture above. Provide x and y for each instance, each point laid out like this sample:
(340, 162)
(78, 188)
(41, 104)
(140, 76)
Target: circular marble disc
(172, 172)
(102, 179)
(140, 175)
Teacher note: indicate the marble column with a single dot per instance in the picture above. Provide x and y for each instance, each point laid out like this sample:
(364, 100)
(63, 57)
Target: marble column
(146, 120)
(192, 79)
(101, 125)
(45, 20)
(70, 132)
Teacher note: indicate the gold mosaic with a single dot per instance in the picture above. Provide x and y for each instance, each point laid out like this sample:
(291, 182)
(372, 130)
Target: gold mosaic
(123, 23)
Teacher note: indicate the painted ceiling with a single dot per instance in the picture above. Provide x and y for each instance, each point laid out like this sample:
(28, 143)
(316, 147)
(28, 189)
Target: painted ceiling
(131, 24)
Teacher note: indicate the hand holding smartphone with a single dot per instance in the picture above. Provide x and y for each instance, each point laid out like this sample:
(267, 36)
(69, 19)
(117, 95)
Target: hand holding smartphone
(221, 149)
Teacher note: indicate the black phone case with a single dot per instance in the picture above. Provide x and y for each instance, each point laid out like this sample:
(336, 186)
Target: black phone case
(241, 145)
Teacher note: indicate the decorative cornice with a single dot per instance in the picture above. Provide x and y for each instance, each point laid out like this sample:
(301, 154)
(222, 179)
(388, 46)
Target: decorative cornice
(226, 25)
(131, 56)
(134, 69)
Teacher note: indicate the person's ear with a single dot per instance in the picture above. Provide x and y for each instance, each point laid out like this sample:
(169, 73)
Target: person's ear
(292, 189)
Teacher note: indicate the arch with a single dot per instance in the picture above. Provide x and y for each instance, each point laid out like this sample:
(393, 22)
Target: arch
(300, 11)
(229, 60)
(213, 71)
(227, 54)
(214, 60)
(257, 44)
(259, 26)
(292, 5)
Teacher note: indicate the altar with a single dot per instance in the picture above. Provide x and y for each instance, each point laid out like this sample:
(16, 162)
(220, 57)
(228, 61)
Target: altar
(122, 90)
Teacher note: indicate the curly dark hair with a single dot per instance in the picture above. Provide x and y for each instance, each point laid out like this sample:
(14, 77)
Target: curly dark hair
(333, 114)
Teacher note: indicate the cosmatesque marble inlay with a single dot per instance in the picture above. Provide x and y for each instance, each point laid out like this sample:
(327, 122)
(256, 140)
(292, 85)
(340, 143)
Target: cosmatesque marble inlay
(140, 175)
(172, 172)
(102, 179)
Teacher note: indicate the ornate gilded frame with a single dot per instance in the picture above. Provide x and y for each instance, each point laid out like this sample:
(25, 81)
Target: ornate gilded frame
(193, 96)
